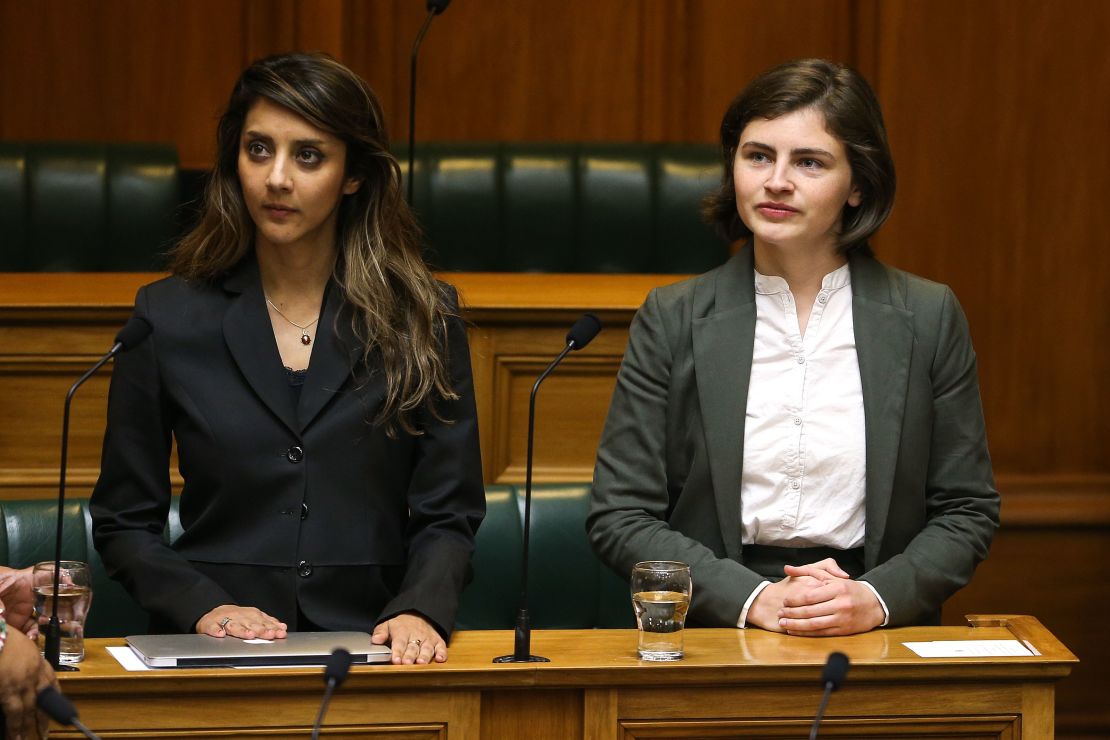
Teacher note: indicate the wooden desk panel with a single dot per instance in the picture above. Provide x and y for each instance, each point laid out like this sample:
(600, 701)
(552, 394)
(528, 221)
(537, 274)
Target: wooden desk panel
(732, 683)
(54, 326)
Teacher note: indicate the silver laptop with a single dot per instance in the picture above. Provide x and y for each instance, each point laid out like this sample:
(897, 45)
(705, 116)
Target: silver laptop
(299, 648)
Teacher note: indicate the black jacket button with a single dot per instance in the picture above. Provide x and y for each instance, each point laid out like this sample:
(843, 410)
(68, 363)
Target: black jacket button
(304, 512)
(304, 569)
(295, 454)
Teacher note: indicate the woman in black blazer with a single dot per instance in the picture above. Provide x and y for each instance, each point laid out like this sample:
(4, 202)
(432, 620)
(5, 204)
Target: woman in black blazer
(317, 381)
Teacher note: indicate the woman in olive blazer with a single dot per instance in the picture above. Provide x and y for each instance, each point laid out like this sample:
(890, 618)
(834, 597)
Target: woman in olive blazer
(669, 463)
(808, 179)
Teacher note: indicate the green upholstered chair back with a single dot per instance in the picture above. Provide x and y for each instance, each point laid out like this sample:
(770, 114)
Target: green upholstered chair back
(575, 207)
(28, 538)
(500, 207)
(81, 207)
(569, 587)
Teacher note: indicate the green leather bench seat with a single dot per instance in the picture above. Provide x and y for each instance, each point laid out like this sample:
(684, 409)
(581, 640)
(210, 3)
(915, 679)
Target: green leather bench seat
(87, 207)
(574, 207)
(569, 588)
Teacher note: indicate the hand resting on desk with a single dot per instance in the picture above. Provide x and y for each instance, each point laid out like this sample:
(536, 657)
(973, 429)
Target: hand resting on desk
(816, 600)
(244, 622)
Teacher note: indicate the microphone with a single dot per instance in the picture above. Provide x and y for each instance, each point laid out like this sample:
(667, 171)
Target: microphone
(61, 710)
(335, 673)
(130, 336)
(435, 7)
(581, 334)
(836, 668)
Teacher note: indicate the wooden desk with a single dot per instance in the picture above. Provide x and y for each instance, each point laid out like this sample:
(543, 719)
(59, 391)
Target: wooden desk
(732, 684)
(53, 326)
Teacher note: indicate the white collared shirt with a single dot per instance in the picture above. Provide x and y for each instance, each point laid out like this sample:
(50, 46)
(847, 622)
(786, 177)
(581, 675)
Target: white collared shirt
(805, 462)
(804, 448)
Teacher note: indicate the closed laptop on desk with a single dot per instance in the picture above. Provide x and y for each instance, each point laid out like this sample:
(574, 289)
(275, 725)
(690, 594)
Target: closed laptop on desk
(299, 648)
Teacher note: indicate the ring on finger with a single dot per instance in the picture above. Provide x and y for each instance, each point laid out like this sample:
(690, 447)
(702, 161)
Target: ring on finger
(224, 622)
(416, 642)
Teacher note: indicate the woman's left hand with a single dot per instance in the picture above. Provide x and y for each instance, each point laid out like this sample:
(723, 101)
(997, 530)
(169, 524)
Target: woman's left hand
(413, 639)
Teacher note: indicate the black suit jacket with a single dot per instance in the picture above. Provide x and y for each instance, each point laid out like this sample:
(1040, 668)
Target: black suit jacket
(288, 504)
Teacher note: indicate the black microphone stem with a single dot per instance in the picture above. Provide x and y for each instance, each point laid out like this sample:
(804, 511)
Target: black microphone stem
(522, 642)
(85, 730)
(332, 683)
(53, 639)
(821, 711)
(528, 472)
(412, 97)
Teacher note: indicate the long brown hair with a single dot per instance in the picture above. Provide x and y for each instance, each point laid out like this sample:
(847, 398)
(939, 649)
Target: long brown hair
(398, 310)
(852, 115)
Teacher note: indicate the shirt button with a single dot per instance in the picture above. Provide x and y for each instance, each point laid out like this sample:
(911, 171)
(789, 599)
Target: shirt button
(822, 298)
(294, 454)
(797, 421)
(304, 512)
(795, 484)
(304, 569)
(801, 360)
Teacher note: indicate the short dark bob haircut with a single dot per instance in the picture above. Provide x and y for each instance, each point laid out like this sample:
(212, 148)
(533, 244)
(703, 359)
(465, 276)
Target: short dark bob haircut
(852, 115)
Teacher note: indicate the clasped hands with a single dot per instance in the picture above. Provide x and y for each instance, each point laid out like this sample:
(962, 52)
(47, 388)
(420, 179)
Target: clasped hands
(412, 638)
(816, 600)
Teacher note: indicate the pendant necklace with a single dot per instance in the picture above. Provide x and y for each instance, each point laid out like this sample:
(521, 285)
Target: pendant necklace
(305, 338)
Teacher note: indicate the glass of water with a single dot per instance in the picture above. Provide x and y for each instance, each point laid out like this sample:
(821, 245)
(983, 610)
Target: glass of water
(661, 591)
(74, 598)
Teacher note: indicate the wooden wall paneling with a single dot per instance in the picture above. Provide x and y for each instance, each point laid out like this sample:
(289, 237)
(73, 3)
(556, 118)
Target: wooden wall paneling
(504, 70)
(276, 26)
(664, 78)
(570, 407)
(33, 446)
(1002, 154)
(728, 42)
(38, 364)
(127, 70)
(372, 32)
(269, 27)
(51, 86)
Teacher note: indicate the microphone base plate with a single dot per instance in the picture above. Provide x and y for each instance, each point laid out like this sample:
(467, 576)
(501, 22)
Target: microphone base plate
(529, 659)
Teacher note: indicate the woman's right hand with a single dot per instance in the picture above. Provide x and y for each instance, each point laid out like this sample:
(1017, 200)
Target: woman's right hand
(244, 622)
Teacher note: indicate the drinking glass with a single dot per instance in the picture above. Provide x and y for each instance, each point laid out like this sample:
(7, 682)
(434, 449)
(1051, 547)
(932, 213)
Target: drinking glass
(74, 598)
(661, 591)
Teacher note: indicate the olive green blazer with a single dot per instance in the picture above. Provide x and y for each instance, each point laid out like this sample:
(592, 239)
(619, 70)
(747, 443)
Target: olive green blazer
(667, 480)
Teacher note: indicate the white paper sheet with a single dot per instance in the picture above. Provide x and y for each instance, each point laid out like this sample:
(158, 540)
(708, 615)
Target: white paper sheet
(127, 658)
(969, 649)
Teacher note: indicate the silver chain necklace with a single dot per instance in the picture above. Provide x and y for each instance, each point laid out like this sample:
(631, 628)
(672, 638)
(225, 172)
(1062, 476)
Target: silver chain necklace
(305, 338)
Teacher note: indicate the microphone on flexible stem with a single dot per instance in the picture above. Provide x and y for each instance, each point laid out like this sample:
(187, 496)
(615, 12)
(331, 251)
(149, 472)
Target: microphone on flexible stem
(435, 7)
(836, 668)
(581, 334)
(131, 335)
(335, 673)
(61, 710)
